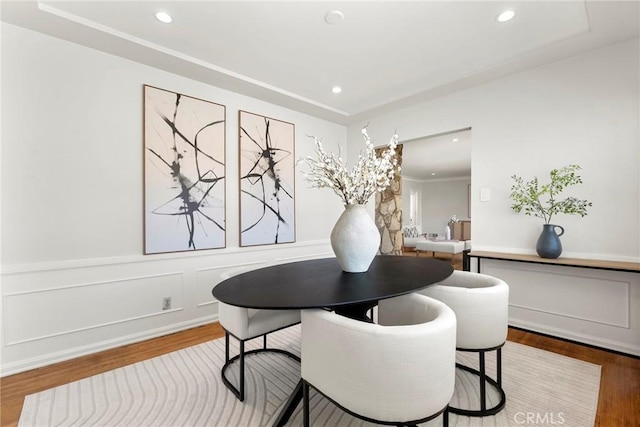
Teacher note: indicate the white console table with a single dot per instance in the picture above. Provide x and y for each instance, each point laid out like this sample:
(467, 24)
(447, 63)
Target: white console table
(594, 302)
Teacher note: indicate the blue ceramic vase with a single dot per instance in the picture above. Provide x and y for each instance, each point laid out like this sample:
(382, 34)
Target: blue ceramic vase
(549, 245)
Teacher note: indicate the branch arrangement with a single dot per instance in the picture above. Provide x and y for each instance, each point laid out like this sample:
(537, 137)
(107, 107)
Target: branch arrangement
(526, 195)
(369, 175)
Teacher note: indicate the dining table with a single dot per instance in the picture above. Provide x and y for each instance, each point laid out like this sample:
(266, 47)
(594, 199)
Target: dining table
(321, 283)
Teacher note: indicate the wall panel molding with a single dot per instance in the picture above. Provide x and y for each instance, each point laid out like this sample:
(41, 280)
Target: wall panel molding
(53, 312)
(592, 306)
(46, 359)
(306, 257)
(557, 313)
(77, 308)
(80, 285)
(8, 270)
(601, 342)
(591, 297)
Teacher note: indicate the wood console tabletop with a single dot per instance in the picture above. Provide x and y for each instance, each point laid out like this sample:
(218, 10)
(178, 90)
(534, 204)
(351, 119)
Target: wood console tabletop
(566, 262)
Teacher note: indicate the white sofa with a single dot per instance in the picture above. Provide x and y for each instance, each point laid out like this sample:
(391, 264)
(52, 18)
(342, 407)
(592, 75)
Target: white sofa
(411, 235)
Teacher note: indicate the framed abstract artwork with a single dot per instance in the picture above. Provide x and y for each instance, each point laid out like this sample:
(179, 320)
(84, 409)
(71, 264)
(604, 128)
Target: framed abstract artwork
(184, 172)
(267, 180)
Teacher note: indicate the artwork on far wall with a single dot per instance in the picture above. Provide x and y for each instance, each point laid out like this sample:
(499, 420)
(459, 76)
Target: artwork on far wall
(267, 180)
(184, 172)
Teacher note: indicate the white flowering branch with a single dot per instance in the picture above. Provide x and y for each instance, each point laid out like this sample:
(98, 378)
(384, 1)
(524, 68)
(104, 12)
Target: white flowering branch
(369, 175)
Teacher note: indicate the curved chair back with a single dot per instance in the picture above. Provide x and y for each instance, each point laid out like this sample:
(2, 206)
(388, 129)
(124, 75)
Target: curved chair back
(481, 305)
(246, 323)
(402, 371)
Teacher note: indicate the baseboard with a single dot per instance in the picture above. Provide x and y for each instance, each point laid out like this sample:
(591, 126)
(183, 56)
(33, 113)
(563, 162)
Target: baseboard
(73, 353)
(588, 341)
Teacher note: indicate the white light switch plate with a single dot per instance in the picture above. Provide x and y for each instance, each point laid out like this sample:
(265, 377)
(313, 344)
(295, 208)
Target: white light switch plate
(485, 194)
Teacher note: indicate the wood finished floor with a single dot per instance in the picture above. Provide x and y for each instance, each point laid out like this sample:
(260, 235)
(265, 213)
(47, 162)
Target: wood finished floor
(618, 404)
(14, 388)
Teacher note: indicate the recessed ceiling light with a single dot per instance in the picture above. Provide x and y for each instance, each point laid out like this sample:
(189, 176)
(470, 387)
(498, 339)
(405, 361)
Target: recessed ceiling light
(334, 17)
(164, 17)
(433, 173)
(336, 89)
(455, 139)
(505, 16)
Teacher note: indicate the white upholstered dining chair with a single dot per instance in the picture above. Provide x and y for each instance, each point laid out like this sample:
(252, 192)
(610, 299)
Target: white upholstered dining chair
(245, 324)
(481, 305)
(400, 371)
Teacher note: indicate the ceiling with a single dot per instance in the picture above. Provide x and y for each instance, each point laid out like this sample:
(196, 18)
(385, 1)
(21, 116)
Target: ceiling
(385, 55)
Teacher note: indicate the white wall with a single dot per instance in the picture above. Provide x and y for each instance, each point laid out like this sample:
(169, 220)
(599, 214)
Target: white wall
(441, 200)
(582, 110)
(73, 277)
(409, 185)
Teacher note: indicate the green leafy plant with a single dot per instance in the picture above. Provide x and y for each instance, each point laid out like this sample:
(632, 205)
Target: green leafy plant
(527, 195)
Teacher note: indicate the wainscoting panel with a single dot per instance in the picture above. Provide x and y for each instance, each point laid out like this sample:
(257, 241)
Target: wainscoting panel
(594, 299)
(54, 312)
(208, 277)
(304, 257)
(38, 314)
(597, 307)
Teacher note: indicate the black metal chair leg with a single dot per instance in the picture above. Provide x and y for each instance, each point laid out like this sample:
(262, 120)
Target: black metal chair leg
(484, 381)
(499, 366)
(445, 418)
(483, 384)
(305, 404)
(226, 347)
(240, 357)
(241, 380)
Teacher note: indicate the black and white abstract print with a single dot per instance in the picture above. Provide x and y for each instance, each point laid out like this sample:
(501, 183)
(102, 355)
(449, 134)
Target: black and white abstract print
(184, 152)
(267, 180)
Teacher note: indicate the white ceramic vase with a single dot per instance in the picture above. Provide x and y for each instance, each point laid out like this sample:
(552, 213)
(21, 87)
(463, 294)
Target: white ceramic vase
(355, 239)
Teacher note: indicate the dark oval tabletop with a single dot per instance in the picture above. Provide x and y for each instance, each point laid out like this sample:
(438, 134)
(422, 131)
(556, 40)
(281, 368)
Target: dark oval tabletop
(322, 283)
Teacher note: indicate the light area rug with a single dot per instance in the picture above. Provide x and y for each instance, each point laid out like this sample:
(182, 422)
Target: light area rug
(183, 388)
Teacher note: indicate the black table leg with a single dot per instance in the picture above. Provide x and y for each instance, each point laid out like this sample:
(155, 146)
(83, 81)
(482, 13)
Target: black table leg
(466, 262)
(290, 406)
(356, 311)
